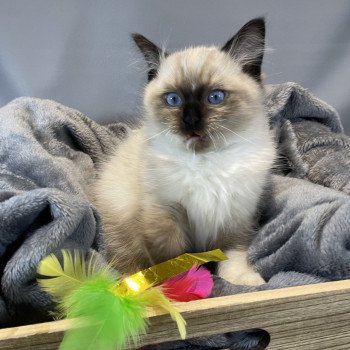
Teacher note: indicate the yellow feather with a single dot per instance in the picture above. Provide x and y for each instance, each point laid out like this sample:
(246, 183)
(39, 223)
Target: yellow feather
(50, 266)
(64, 279)
(155, 298)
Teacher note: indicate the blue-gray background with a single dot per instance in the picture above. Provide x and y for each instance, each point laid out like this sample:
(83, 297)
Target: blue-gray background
(79, 52)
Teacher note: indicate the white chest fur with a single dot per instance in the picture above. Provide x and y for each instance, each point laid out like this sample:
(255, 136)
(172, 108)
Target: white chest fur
(218, 189)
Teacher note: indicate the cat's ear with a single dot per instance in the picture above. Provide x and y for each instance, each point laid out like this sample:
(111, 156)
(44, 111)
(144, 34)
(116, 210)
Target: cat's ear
(248, 46)
(152, 53)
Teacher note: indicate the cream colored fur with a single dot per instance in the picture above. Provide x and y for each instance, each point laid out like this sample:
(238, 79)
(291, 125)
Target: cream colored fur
(160, 197)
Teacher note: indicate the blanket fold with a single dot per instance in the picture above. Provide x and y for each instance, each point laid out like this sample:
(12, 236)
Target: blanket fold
(49, 154)
(306, 229)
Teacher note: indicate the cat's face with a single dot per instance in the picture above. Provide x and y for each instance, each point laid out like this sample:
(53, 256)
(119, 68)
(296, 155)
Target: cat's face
(203, 97)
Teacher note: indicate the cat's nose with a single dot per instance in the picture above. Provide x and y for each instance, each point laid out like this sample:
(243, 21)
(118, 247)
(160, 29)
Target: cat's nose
(191, 117)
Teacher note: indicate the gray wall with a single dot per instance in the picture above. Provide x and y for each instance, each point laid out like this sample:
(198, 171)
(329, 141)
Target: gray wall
(78, 52)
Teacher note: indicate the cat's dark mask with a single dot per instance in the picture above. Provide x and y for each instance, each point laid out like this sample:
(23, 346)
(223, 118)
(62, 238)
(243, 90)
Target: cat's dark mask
(246, 47)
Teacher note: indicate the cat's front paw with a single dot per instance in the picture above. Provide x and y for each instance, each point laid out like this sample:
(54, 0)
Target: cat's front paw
(246, 278)
(237, 269)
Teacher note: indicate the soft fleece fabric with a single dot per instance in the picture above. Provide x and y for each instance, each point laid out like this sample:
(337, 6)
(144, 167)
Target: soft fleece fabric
(49, 154)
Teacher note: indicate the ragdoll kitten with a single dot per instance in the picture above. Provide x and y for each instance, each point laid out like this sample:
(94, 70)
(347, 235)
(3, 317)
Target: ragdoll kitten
(191, 177)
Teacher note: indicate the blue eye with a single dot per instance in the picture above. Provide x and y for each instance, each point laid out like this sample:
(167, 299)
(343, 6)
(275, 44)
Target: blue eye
(173, 99)
(216, 96)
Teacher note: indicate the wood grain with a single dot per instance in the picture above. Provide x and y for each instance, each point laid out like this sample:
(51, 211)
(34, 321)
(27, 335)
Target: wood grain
(312, 317)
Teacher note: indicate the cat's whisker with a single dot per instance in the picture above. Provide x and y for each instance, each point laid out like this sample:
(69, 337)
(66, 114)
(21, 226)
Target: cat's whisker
(212, 139)
(238, 135)
(218, 133)
(152, 137)
(222, 136)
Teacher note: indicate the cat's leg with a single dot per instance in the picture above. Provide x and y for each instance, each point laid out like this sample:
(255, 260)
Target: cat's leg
(151, 236)
(125, 247)
(237, 269)
(164, 233)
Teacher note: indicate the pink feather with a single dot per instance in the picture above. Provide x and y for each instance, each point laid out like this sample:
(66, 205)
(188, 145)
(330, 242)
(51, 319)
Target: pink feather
(197, 283)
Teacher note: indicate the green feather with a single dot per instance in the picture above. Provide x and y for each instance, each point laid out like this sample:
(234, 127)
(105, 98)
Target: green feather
(108, 321)
(82, 291)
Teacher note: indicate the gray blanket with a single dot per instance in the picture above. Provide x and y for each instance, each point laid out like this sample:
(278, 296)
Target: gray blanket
(48, 157)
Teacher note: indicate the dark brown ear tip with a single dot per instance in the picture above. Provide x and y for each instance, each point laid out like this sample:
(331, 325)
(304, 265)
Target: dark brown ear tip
(259, 20)
(259, 23)
(137, 37)
(143, 43)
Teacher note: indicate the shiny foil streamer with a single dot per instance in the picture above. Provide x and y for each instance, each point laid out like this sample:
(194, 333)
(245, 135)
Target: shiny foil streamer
(157, 274)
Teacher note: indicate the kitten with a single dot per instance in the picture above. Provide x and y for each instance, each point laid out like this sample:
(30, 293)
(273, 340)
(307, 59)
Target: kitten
(191, 177)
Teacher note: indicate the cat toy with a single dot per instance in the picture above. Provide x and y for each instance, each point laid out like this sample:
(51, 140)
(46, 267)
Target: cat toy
(109, 311)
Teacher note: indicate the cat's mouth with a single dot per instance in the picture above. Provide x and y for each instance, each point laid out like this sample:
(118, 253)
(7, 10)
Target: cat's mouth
(193, 138)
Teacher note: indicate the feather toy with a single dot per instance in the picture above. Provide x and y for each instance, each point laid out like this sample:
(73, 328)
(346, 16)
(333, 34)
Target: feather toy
(106, 321)
(68, 277)
(108, 311)
(195, 284)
